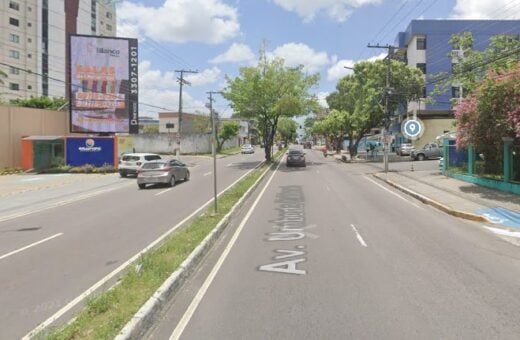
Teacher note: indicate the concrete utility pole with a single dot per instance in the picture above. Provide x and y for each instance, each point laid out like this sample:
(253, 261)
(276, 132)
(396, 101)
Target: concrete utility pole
(182, 82)
(213, 147)
(387, 95)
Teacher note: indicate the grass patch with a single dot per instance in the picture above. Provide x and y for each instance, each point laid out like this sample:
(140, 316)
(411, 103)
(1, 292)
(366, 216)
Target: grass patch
(10, 171)
(105, 315)
(230, 151)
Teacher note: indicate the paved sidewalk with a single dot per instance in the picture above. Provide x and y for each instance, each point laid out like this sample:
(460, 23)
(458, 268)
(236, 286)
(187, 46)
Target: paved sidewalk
(458, 198)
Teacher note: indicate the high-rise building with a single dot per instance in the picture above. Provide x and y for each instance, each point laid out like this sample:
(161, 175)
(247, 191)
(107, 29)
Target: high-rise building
(33, 42)
(426, 45)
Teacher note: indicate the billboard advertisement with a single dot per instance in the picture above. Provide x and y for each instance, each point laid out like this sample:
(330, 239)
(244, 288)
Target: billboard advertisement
(103, 84)
(88, 150)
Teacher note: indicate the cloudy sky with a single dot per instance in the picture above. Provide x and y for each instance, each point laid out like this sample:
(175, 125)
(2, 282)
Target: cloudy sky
(217, 37)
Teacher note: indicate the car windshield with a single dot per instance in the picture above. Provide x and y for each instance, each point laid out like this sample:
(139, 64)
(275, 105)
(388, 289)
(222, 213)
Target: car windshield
(152, 157)
(130, 158)
(295, 152)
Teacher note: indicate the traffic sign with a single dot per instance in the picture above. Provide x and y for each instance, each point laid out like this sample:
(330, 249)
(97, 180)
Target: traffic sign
(412, 128)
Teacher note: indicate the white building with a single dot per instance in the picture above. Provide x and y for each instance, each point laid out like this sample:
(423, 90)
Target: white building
(33, 41)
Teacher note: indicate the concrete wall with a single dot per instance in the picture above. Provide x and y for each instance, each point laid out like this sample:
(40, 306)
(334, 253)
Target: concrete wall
(18, 122)
(163, 143)
(432, 129)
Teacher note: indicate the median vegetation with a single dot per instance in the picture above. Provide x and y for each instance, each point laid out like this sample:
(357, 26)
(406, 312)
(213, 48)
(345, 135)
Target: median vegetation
(105, 315)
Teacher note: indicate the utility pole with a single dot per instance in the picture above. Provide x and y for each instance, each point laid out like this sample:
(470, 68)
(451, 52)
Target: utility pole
(182, 82)
(213, 147)
(387, 95)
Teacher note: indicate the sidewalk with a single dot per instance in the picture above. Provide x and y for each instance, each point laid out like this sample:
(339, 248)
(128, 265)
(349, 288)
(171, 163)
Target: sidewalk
(458, 198)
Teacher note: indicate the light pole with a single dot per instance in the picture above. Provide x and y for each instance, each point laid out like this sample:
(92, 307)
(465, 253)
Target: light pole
(213, 148)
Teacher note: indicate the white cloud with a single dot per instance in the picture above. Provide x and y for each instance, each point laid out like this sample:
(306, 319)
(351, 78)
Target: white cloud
(237, 53)
(338, 10)
(486, 9)
(338, 71)
(301, 54)
(322, 99)
(180, 21)
(206, 77)
(156, 79)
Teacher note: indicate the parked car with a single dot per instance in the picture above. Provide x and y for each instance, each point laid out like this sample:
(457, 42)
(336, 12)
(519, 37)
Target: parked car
(405, 149)
(295, 157)
(162, 172)
(129, 163)
(429, 151)
(307, 145)
(247, 148)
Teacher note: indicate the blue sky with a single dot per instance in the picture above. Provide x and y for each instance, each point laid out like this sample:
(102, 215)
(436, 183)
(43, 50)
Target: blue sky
(217, 37)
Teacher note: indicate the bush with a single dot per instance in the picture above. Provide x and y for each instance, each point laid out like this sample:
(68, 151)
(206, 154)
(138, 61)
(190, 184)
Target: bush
(10, 171)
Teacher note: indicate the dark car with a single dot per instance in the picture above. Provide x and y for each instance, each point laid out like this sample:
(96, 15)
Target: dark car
(295, 157)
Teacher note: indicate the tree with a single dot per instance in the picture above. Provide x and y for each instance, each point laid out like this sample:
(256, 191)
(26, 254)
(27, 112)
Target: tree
(490, 113)
(470, 66)
(40, 102)
(270, 91)
(359, 98)
(333, 127)
(151, 129)
(227, 131)
(201, 124)
(287, 129)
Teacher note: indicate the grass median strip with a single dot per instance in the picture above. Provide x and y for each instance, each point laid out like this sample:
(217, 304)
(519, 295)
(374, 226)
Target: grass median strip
(105, 315)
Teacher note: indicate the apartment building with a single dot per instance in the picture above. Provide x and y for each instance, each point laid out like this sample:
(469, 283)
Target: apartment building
(33, 41)
(425, 45)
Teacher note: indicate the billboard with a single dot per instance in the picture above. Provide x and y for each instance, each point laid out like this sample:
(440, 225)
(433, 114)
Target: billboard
(88, 150)
(103, 84)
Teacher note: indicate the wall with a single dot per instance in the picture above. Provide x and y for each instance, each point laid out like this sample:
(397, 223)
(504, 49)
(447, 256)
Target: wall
(432, 129)
(18, 122)
(162, 143)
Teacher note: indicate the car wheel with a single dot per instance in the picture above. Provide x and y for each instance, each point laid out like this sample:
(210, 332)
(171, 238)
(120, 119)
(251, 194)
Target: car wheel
(187, 177)
(122, 174)
(420, 157)
(172, 181)
(142, 186)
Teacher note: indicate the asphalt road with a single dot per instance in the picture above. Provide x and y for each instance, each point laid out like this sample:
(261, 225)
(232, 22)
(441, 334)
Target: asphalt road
(330, 253)
(69, 236)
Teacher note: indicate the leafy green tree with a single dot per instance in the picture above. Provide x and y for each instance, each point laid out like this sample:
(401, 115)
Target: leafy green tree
(360, 98)
(470, 66)
(287, 129)
(270, 91)
(151, 129)
(333, 127)
(40, 102)
(227, 131)
(201, 124)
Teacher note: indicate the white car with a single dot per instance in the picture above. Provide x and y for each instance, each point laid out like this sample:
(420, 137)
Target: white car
(247, 148)
(129, 163)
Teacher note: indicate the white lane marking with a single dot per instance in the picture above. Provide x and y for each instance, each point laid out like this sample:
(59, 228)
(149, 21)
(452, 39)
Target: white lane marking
(62, 203)
(207, 174)
(179, 329)
(123, 266)
(163, 192)
(31, 179)
(504, 232)
(230, 164)
(358, 235)
(393, 193)
(30, 246)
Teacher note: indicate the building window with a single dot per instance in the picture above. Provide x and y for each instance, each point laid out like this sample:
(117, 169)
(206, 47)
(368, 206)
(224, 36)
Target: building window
(109, 15)
(455, 92)
(29, 55)
(14, 5)
(424, 94)
(29, 40)
(14, 54)
(14, 70)
(14, 86)
(109, 27)
(422, 67)
(14, 38)
(421, 43)
(29, 87)
(29, 24)
(29, 9)
(14, 22)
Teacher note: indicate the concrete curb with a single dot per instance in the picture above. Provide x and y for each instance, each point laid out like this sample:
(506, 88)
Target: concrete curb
(142, 320)
(435, 204)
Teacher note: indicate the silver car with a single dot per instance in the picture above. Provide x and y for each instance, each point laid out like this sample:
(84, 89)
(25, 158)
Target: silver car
(162, 172)
(405, 149)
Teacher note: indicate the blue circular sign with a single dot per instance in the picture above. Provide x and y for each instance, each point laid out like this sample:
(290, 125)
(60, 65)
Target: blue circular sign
(412, 128)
